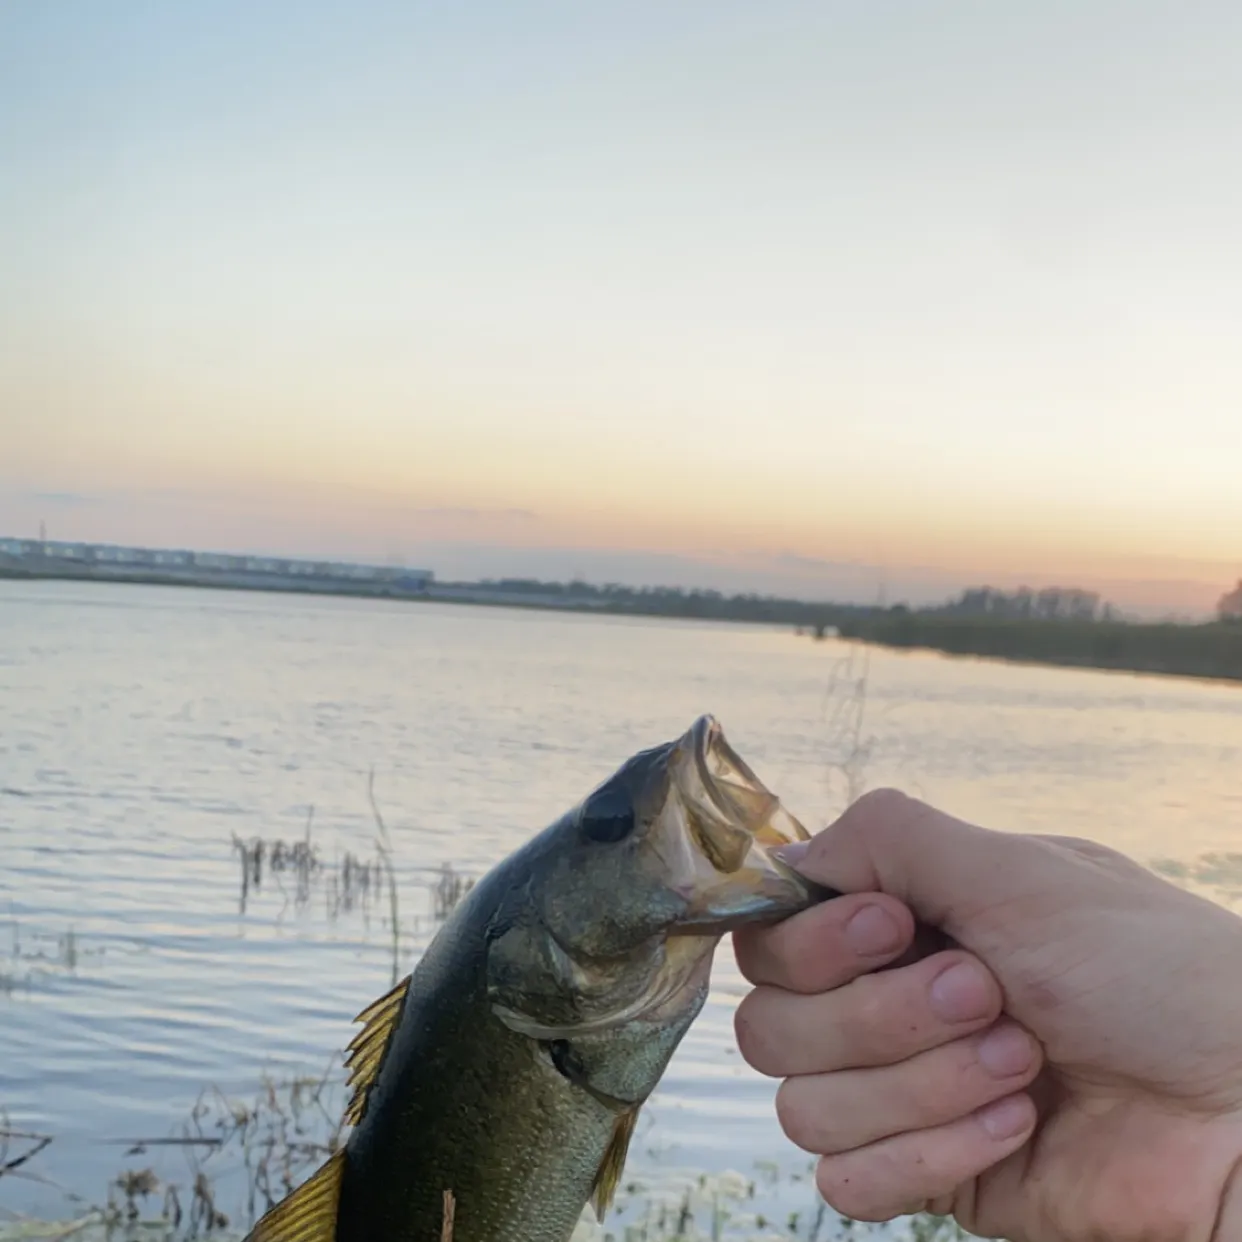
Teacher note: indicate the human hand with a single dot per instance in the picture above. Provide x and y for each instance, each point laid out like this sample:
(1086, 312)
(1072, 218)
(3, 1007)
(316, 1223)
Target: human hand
(1070, 1070)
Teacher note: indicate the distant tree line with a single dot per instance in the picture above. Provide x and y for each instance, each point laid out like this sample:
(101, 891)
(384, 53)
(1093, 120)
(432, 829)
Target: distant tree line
(1212, 649)
(1062, 626)
(657, 601)
(1024, 604)
(1230, 606)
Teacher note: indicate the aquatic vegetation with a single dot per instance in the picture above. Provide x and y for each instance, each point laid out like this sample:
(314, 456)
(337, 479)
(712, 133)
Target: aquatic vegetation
(34, 956)
(18, 1147)
(184, 1184)
(450, 887)
(285, 1128)
(849, 745)
(352, 882)
(299, 859)
(383, 844)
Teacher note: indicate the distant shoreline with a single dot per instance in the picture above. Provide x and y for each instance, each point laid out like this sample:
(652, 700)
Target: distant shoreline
(1210, 651)
(476, 595)
(548, 597)
(348, 590)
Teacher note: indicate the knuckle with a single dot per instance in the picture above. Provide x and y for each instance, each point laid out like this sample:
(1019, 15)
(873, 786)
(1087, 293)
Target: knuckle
(790, 957)
(894, 806)
(1084, 846)
(960, 957)
(748, 951)
(879, 806)
(866, 1010)
(801, 975)
(991, 999)
(751, 1034)
(796, 1115)
(848, 1191)
(945, 1090)
(883, 814)
(884, 800)
(1103, 855)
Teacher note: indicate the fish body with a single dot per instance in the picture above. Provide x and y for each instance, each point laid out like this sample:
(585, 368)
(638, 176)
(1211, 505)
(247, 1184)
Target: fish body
(502, 1080)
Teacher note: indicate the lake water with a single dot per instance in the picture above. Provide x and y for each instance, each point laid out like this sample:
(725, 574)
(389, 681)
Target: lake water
(141, 729)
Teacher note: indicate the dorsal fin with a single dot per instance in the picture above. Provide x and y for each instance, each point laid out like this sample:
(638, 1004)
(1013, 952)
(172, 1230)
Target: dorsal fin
(309, 1213)
(613, 1163)
(366, 1051)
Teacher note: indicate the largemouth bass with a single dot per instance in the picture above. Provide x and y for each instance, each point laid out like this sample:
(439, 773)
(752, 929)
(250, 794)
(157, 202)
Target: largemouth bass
(502, 1079)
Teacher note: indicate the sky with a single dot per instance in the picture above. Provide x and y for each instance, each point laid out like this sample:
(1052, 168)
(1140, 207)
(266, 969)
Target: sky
(846, 300)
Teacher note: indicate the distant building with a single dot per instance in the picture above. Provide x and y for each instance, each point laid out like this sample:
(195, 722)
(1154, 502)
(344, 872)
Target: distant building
(1230, 606)
(52, 558)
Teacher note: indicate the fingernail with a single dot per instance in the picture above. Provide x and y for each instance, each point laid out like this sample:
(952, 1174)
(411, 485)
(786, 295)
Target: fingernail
(793, 852)
(961, 994)
(872, 932)
(1005, 1051)
(1006, 1118)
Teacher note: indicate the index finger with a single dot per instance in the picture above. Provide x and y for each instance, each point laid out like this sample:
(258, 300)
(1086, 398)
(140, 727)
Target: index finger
(828, 945)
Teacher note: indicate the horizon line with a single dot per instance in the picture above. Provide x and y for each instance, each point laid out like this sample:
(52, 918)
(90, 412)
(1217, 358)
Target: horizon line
(399, 562)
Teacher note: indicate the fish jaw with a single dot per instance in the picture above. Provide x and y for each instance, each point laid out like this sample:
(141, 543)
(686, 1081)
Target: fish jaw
(719, 830)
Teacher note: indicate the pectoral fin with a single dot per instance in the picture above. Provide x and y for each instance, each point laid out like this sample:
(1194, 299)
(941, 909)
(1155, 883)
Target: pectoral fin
(613, 1163)
(366, 1051)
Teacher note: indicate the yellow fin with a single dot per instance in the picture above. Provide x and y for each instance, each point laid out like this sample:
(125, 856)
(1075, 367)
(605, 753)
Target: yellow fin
(309, 1213)
(366, 1051)
(613, 1163)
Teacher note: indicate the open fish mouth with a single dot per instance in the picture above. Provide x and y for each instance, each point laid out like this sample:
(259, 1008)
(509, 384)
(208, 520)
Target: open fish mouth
(715, 838)
(725, 824)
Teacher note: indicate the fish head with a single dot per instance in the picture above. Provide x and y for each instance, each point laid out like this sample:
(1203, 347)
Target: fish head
(625, 898)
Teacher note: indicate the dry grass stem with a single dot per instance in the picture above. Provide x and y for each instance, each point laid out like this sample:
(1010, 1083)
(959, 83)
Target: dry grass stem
(450, 1215)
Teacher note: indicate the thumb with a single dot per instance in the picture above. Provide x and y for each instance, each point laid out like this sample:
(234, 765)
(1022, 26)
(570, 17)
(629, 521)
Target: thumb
(943, 868)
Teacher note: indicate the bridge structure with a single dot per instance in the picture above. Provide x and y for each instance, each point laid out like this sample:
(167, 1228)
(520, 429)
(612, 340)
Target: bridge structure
(49, 558)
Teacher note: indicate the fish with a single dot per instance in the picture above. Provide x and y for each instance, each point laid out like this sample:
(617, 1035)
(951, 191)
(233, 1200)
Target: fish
(496, 1088)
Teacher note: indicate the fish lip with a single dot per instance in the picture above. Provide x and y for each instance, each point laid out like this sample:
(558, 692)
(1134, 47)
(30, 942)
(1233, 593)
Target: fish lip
(716, 918)
(703, 735)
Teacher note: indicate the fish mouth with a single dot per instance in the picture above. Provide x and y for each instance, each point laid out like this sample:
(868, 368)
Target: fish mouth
(722, 825)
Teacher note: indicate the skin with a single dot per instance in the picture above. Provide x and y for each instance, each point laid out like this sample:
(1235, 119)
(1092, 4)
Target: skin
(1056, 1055)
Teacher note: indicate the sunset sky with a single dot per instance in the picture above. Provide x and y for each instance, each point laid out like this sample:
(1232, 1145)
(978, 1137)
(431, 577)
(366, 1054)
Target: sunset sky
(824, 298)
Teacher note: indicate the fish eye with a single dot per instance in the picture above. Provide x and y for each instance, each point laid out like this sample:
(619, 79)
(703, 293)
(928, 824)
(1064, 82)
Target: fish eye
(608, 815)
